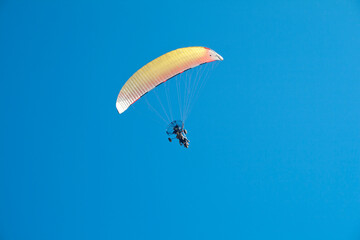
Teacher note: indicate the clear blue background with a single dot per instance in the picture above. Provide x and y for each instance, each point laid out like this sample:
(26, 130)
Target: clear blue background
(275, 135)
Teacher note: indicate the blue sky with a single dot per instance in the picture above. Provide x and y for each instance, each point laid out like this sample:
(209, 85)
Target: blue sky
(275, 143)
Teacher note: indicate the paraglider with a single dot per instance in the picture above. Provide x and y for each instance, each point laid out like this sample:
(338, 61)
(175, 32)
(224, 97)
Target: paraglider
(159, 71)
(176, 130)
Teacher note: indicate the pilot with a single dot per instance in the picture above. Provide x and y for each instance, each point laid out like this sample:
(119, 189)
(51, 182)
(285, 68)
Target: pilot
(181, 136)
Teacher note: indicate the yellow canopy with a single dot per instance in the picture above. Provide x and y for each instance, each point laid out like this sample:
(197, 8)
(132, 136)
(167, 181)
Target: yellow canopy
(160, 70)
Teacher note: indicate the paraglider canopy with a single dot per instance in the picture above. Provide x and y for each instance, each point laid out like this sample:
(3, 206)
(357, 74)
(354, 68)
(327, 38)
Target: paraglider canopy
(160, 70)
